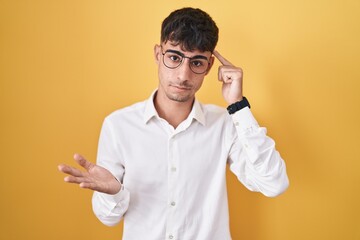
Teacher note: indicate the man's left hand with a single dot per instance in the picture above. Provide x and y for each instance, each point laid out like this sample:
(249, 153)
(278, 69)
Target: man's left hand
(231, 77)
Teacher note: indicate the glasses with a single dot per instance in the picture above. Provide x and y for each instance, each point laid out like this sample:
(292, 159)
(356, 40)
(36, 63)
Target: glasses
(172, 59)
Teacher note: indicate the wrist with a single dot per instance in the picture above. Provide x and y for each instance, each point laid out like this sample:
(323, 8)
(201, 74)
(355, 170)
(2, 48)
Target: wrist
(238, 105)
(235, 100)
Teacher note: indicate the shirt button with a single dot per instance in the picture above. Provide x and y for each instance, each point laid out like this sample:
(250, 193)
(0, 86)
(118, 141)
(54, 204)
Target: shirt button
(171, 236)
(173, 169)
(173, 204)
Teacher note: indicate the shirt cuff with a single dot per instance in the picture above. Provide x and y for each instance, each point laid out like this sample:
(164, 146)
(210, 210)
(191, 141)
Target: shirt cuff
(116, 198)
(244, 120)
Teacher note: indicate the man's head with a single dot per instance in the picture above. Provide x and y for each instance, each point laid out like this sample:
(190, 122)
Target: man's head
(184, 56)
(192, 29)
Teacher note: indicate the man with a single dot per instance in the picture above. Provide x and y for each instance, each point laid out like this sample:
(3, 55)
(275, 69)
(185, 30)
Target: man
(161, 163)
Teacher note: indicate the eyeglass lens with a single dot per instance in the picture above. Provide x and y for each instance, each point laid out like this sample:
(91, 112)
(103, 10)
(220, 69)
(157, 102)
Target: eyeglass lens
(197, 64)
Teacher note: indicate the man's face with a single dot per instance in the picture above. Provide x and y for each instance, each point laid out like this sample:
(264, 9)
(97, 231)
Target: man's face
(180, 83)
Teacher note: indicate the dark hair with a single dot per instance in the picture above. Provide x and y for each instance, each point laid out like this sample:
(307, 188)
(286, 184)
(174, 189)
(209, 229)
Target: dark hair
(192, 28)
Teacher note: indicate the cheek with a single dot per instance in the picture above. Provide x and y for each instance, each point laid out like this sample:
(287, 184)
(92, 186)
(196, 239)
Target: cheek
(164, 75)
(161, 72)
(198, 83)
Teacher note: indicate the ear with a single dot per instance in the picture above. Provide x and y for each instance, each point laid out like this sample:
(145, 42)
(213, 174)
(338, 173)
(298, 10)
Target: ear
(211, 61)
(157, 53)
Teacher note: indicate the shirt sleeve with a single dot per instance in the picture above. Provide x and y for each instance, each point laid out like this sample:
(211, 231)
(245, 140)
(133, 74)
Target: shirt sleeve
(253, 157)
(110, 209)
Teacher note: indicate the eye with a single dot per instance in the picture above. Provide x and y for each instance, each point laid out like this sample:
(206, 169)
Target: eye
(198, 63)
(174, 57)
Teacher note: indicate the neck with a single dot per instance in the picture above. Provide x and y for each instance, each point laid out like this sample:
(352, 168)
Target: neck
(174, 112)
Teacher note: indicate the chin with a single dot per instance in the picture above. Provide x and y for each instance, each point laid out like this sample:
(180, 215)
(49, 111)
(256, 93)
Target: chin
(178, 97)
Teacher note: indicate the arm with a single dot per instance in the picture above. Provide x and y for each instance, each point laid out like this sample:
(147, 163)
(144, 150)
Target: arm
(253, 157)
(110, 199)
(109, 195)
(108, 208)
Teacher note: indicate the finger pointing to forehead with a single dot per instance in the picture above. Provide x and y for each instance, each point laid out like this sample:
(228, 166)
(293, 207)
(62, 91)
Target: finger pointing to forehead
(222, 59)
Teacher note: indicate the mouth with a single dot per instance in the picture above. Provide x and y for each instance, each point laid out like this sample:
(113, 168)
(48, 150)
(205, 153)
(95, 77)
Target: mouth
(181, 88)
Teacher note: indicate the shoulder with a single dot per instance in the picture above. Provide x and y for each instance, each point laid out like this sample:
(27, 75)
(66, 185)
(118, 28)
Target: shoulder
(130, 112)
(212, 110)
(215, 113)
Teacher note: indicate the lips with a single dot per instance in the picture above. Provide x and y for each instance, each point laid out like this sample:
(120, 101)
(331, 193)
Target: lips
(181, 87)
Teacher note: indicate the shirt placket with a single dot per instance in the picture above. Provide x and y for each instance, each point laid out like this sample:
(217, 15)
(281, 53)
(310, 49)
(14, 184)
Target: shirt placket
(171, 227)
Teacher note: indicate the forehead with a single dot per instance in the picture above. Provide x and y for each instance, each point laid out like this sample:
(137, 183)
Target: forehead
(178, 47)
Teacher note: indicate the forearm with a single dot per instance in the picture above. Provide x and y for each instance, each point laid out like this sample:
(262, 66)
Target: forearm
(256, 162)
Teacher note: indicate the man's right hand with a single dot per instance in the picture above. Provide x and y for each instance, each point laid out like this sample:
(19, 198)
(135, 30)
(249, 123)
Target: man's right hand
(95, 177)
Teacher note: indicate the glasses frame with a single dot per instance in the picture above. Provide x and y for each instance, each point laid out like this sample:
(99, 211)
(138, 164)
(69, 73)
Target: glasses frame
(182, 60)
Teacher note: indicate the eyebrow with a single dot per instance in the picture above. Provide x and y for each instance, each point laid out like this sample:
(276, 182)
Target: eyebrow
(183, 55)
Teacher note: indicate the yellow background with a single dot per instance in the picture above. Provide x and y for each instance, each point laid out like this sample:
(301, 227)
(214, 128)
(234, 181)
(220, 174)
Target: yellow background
(66, 64)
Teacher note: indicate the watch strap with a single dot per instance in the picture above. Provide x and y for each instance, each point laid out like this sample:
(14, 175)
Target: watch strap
(233, 108)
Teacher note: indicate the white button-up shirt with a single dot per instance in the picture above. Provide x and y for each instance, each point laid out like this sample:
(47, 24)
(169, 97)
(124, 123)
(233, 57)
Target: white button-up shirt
(174, 180)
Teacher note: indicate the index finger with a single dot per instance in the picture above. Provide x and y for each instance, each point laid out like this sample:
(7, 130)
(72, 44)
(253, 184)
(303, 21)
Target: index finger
(222, 59)
(83, 162)
(70, 170)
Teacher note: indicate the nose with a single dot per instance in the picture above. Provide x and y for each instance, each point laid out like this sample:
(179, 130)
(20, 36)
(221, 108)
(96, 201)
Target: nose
(184, 70)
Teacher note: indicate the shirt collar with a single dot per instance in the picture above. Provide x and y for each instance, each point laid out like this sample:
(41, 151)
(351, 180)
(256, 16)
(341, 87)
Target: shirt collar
(150, 111)
(197, 112)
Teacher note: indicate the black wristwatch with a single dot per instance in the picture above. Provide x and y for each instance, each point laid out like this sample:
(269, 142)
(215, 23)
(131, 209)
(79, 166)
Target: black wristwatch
(233, 108)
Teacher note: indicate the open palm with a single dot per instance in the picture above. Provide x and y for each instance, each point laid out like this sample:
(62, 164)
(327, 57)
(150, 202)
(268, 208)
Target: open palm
(95, 177)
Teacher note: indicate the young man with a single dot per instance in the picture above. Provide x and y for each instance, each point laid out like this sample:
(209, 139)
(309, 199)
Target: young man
(161, 163)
